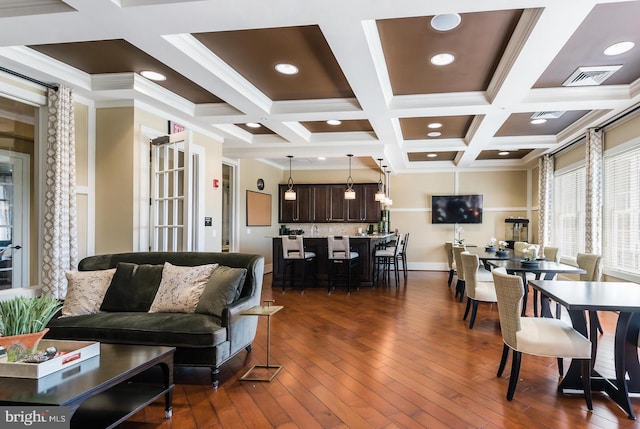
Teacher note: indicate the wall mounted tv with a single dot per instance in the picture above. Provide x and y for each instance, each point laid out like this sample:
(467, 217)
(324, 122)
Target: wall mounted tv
(456, 209)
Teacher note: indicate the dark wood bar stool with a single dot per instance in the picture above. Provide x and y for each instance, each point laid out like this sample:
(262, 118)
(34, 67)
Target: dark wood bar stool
(293, 253)
(340, 254)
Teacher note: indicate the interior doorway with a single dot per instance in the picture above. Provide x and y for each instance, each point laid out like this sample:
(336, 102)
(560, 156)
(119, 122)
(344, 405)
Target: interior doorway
(229, 208)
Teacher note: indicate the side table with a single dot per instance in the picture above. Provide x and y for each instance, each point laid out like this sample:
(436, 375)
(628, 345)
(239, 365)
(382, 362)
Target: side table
(268, 311)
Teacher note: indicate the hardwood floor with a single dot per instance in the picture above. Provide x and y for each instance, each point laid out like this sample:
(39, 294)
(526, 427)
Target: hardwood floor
(383, 358)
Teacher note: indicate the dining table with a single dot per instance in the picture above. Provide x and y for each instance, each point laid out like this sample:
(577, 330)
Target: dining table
(581, 298)
(541, 269)
(485, 255)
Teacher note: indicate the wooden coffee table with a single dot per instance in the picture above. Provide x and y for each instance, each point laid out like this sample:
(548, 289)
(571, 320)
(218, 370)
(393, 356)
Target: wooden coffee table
(97, 390)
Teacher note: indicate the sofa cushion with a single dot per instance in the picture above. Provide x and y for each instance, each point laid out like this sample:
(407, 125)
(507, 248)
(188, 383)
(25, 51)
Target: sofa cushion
(132, 288)
(85, 291)
(180, 288)
(222, 289)
(172, 329)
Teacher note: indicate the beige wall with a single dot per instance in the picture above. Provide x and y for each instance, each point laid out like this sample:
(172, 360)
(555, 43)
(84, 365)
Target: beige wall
(622, 133)
(114, 179)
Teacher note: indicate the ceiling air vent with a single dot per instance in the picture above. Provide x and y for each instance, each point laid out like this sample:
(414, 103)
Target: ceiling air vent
(590, 76)
(547, 115)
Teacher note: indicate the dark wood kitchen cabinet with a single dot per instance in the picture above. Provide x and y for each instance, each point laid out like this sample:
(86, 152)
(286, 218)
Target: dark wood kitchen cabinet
(299, 210)
(364, 208)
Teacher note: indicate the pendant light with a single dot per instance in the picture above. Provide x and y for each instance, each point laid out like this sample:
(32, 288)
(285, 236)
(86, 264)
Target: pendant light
(388, 201)
(290, 194)
(380, 196)
(349, 193)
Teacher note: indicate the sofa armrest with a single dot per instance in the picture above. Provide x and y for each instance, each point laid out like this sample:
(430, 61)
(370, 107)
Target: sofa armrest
(232, 312)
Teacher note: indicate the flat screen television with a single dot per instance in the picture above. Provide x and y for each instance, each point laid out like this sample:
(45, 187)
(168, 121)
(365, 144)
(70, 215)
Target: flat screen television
(456, 209)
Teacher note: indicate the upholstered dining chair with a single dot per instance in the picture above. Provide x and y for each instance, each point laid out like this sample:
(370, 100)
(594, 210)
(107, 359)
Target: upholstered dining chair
(293, 252)
(519, 248)
(460, 285)
(549, 253)
(477, 291)
(540, 336)
(339, 254)
(448, 248)
(592, 264)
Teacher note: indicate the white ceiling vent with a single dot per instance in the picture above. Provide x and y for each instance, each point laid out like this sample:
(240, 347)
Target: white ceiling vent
(590, 76)
(547, 115)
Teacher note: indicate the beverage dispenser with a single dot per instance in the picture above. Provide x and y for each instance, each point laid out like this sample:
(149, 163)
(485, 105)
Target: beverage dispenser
(516, 229)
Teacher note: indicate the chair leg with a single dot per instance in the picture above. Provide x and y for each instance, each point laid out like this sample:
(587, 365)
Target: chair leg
(515, 373)
(404, 266)
(450, 277)
(586, 382)
(466, 310)
(474, 311)
(503, 359)
(535, 302)
(560, 366)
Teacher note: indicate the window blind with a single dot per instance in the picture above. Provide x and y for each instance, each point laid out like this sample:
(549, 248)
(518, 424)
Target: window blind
(568, 212)
(621, 212)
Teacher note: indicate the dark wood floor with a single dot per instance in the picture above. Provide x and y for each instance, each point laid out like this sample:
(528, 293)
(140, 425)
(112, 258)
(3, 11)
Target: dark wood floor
(382, 358)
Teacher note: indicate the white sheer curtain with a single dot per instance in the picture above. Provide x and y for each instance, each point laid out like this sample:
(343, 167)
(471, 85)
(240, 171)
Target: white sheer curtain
(60, 236)
(545, 199)
(593, 203)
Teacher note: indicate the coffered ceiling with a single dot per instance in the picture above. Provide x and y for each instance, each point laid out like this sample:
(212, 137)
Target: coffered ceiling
(363, 63)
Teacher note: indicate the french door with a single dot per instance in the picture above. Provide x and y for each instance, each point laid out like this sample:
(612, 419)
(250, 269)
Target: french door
(176, 206)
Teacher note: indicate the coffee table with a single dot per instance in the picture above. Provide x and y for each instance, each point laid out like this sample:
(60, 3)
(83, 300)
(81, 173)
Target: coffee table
(98, 391)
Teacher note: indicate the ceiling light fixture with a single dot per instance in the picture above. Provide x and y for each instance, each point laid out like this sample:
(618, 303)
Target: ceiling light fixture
(388, 201)
(151, 75)
(434, 134)
(380, 195)
(442, 59)
(446, 21)
(434, 125)
(334, 122)
(503, 153)
(349, 193)
(321, 158)
(619, 48)
(538, 121)
(432, 155)
(290, 194)
(253, 125)
(286, 68)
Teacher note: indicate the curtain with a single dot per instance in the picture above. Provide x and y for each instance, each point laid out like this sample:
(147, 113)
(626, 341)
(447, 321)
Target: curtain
(60, 237)
(545, 198)
(593, 203)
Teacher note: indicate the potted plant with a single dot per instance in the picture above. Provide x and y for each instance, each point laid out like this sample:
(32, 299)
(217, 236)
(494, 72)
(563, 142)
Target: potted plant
(24, 319)
(491, 245)
(502, 249)
(531, 255)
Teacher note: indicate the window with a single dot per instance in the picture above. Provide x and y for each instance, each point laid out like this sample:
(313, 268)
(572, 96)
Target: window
(621, 212)
(568, 212)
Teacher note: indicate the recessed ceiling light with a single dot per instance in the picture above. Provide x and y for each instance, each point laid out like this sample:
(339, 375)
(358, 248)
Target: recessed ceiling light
(151, 75)
(334, 122)
(446, 21)
(285, 68)
(321, 158)
(434, 125)
(253, 125)
(432, 155)
(442, 59)
(434, 134)
(538, 121)
(619, 48)
(503, 153)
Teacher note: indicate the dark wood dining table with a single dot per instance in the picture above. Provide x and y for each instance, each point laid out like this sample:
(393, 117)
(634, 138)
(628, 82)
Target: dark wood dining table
(492, 255)
(590, 297)
(543, 269)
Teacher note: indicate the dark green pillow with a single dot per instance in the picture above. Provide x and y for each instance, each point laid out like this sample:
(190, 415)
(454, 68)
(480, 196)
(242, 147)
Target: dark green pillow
(132, 288)
(223, 288)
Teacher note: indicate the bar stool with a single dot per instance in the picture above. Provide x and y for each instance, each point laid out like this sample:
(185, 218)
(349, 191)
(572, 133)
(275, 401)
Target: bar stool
(384, 257)
(293, 252)
(340, 254)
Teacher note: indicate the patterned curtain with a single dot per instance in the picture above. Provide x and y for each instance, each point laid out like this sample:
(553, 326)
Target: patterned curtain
(545, 199)
(60, 236)
(593, 209)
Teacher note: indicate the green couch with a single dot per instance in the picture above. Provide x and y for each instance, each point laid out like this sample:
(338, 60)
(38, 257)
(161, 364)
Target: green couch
(200, 339)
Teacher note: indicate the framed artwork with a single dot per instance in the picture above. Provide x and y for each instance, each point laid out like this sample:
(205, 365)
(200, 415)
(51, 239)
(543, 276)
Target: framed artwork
(258, 209)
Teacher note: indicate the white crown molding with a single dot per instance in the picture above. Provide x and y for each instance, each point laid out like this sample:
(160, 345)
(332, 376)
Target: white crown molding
(445, 104)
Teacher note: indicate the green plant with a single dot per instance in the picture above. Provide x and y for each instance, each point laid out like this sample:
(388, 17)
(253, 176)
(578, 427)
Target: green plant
(22, 315)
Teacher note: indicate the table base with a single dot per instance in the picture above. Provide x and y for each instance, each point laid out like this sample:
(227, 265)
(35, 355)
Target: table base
(256, 368)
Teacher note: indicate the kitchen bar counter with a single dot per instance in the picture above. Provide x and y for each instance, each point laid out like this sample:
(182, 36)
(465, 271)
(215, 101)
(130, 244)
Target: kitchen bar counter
(364, 245)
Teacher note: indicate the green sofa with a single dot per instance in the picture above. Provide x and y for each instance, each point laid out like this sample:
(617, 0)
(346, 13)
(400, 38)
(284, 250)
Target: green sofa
(200, 339)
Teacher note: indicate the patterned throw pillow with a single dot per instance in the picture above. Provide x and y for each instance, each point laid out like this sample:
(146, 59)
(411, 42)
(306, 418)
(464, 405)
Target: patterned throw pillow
(180, 288)
(85, 291)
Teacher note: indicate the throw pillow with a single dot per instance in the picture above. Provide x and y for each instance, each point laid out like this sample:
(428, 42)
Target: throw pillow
(85, 291)
(132, 288)
(180, 288)
(223, 288)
